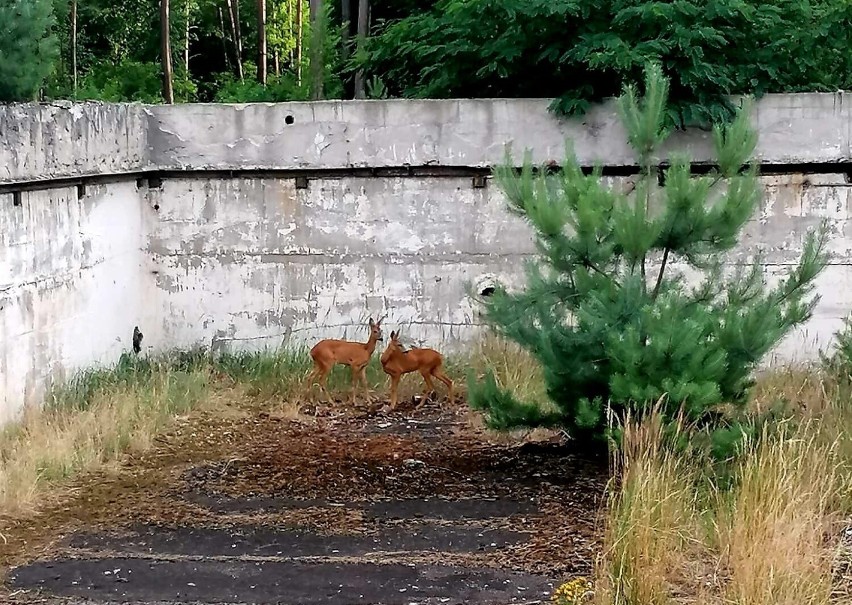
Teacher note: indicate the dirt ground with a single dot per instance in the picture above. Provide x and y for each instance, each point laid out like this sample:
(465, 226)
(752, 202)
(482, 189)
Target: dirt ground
(238, 505)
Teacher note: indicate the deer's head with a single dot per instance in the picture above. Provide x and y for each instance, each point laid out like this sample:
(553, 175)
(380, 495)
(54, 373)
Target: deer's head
(394, 346)
(376, 329)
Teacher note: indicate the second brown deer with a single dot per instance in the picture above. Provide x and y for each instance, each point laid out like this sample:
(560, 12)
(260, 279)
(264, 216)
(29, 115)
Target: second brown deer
(396, 362)
(329, 352)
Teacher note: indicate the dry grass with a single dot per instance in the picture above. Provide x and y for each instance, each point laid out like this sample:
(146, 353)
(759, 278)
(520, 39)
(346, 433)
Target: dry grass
(513, 367)
(675, 534)
(89, 425)
(652, 519)
(101, 415)
(772, 527)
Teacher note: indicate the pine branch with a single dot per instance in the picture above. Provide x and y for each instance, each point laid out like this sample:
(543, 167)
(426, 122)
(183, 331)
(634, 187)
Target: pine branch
(660, 274)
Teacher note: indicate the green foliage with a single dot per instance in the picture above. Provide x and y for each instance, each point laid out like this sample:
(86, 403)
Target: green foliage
(28, 47)
(278, 88)
(130, 80)
(839, 362)
(325, 37)
(129, 372)
(582, 51)
(607, 311)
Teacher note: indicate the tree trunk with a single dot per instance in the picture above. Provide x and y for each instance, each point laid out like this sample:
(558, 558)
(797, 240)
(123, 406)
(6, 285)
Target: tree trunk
(345, 18)
(261, 41)
(239, 33)
(74, 45)
(363, 16)
(277, 59)
(186, 38)
(166, 52)
(235, 33)
(224, 41)
(316, 49)
(299, 19)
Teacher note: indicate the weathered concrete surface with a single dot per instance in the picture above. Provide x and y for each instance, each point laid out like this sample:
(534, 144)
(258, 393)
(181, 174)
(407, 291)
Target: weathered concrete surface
(56, 140)
(71, 287)
(252, 263)
(800, 128)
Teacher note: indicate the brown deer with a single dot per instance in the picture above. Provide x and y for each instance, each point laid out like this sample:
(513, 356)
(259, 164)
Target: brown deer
(326, 353)
(396, 362)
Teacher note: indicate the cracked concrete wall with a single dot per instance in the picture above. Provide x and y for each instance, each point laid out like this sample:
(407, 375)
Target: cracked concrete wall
(64, 140)
(71, 286)
(252, 261)
(799, 128)
(255, 262)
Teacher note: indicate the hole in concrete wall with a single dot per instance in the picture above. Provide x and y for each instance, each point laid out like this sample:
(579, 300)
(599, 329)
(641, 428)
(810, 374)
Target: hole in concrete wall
(487, 291)
(289, 120)
(155, 182)
(17, 199)
(156, 206)
(81, 191)
(479, 181)
(301, 182)
(140, 183)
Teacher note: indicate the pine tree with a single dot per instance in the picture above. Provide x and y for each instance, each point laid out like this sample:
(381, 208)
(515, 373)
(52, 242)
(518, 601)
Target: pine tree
(606, 309)
(28, 47)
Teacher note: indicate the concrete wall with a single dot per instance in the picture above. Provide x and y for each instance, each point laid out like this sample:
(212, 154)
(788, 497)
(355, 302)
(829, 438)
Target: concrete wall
(248, 260)
(61, 140)
(71, 285)
(802, 128)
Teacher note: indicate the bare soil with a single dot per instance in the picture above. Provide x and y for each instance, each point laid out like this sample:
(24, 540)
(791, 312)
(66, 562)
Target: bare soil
(238, 505)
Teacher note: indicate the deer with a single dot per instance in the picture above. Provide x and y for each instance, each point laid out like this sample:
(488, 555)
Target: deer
(329, 352)
(396, 361)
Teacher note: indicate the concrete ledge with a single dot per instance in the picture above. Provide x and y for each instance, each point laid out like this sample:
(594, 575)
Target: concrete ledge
(62, 140)
(50, 141)
(794, 129)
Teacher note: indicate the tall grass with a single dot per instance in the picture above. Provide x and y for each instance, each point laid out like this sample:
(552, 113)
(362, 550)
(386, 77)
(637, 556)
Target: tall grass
(765, 535)
(652, 518)
(92, 422)
(513, 368)
(772, 526)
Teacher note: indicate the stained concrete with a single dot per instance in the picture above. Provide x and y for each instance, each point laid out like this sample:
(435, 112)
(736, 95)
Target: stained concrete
(250, 260)
(801, 128)
(42, 141)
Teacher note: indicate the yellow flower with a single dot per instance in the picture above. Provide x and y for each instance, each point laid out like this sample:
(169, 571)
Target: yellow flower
(572, 593)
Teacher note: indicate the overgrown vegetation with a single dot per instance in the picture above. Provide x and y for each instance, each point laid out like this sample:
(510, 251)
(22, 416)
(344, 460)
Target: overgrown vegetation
(766, 535)
(608, 312)
(577, 51)
(28, 47)
(582, 51)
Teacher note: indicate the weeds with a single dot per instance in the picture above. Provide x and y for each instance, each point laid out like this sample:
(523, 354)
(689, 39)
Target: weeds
(91, 422)
(652, 518)
(761, 533)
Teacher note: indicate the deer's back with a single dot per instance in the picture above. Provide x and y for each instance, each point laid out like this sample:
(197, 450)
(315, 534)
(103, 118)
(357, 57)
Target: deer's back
(337, 348)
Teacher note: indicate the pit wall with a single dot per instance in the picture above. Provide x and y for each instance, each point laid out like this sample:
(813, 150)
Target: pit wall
(250, 226)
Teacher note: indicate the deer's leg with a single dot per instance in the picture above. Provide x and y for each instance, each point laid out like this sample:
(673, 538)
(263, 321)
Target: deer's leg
(362, 377)
(394, 386)
(439, 374)
(319, 376)
(313, 378)
(430, 386)
(355, 371)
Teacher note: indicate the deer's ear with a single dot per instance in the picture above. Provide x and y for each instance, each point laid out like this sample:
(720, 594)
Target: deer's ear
(393, 335)
(371, 322)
